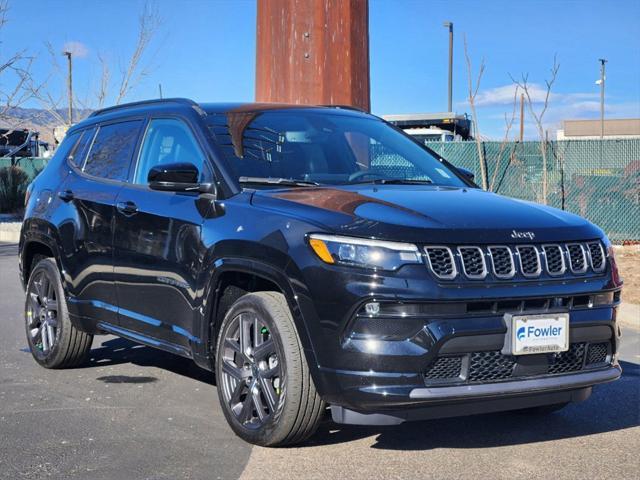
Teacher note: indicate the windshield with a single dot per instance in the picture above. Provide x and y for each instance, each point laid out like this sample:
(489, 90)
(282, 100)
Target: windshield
(322, 148)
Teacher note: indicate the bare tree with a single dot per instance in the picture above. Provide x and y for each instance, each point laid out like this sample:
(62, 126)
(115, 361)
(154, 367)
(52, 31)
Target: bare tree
(508, 124)
(538, 116)
(148, 24)
(473, 92)
(15, 71)
(135, 69)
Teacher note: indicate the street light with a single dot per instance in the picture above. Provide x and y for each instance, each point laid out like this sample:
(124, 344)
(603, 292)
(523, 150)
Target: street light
(68, 54)
(601, 83)
(449, 25)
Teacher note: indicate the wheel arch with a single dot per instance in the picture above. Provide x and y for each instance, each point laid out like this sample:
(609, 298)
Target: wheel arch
(32, 244)
(245, 276)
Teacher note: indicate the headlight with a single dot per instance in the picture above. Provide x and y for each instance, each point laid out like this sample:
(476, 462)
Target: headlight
(364, 253)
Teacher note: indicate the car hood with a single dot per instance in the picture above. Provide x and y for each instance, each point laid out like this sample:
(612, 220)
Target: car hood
(427, 214)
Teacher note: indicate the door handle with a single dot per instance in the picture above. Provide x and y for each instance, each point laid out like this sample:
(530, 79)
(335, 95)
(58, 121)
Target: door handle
(66, 195)
(127, 208)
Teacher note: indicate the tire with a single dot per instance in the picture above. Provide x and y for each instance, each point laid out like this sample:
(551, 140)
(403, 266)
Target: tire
(543, 409)
(53, 340)
(275, 371)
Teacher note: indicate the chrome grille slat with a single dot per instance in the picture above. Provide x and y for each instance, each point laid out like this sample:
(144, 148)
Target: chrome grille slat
(502, 263)
(554, 259)
(529, 259)
(577, 257)
(597, 258)
(442, 262)
(473, 263)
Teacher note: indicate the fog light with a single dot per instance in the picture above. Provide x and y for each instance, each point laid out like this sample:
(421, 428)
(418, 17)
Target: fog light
(372, 308)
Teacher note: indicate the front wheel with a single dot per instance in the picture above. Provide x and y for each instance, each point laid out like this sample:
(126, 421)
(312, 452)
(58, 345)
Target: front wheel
(267, 394)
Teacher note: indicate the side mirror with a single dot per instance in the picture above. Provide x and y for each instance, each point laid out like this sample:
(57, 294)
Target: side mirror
(467, 173)
(177, 177)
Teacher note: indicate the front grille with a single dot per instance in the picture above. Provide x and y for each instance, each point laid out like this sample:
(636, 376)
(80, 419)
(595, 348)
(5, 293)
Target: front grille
(569, 361)
(490, 366)
(598, 353)
(554, 259)
(444, 368)
(504, 262)
(577, 258)
(529, 260)
(473, 264)
(596, 255)
(493, 366)
(441, 262)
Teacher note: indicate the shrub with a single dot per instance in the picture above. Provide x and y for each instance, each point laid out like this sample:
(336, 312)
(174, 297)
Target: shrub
(13, 186)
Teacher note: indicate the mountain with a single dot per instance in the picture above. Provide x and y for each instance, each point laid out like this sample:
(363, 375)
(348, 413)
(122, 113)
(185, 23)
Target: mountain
(40, 120)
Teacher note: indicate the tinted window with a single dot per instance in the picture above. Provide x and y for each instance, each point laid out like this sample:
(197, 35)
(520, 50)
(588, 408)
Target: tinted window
(66, 146)
(167, 141)
(112, 149)
(322, 147)
(79, 152)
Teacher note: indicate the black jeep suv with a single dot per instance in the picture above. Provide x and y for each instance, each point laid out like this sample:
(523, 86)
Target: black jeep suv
(312, 257)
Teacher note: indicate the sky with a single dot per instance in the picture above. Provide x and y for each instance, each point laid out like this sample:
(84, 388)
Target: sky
(205, 50)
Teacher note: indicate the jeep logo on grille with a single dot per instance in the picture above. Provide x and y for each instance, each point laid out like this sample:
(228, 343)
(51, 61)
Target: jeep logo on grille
(529, 235)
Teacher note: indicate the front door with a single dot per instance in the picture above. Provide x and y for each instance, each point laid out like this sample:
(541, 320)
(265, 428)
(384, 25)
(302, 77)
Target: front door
(157, 247)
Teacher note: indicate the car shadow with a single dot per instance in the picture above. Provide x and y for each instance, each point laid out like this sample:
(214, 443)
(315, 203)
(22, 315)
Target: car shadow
(611, 407)
(117, 351)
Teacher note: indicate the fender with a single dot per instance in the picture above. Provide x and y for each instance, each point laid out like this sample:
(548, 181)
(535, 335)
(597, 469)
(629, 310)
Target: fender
(37, 230)
(265, 271)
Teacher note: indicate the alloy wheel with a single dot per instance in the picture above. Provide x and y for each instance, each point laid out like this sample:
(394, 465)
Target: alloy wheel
(42, 313)
(253, 376)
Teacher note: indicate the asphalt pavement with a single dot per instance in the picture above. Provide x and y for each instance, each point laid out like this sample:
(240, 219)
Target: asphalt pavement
(136, 413)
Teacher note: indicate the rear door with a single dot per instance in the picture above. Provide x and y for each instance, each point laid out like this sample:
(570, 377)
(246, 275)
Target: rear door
(100, 166)
(157, 246)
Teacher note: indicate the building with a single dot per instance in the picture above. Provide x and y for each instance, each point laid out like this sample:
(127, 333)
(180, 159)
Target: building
(591, 129)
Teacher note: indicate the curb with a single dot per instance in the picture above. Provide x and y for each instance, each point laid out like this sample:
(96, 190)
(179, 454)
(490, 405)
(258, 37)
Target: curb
(10, 232)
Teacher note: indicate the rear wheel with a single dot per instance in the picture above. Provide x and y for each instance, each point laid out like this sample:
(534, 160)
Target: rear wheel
(264, 386)
(53, 340)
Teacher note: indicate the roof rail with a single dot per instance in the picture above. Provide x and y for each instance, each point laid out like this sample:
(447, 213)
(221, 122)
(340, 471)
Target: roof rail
(346, 107)
(184, 101)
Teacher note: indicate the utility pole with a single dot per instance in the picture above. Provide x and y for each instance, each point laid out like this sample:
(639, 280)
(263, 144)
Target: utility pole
(521, 117)
(602, 61)
(69, 87)
(449, 25)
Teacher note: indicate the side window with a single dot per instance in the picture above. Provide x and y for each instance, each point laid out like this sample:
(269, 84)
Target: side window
(79, 152)
(64, 149)
(167, 140)
(112, 150)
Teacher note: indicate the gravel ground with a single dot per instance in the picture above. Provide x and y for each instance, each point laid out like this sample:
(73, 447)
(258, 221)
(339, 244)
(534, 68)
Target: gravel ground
(628, 259)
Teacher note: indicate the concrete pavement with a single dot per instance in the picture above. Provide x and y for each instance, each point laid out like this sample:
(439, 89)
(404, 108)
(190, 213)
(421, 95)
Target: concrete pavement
(137, 413)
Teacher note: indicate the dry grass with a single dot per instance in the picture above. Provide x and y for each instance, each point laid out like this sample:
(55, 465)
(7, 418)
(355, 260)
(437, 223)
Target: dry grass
(628, 259)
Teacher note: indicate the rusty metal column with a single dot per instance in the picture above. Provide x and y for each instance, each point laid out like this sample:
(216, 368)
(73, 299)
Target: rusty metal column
(313, 52)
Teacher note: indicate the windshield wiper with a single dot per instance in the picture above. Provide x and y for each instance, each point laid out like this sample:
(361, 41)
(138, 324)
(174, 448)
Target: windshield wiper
(395, 181)
(288, 182)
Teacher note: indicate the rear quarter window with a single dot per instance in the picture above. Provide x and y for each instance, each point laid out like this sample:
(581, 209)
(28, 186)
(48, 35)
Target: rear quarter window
(112, 150)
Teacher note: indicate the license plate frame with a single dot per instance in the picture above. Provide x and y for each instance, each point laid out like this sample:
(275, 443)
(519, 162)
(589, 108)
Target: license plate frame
(518, 343)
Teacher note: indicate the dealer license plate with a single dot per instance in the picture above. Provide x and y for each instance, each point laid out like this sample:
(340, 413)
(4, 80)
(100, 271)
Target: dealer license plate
(531, 334)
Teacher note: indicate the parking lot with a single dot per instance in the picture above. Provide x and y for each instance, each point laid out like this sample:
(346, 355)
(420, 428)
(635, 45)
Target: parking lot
(136, 413)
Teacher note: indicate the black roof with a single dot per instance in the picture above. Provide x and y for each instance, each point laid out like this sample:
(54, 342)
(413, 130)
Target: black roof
(144, 106)
(224, 107)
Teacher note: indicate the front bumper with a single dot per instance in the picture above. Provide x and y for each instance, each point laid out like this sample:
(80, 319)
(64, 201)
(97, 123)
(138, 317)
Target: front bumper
(453, 401)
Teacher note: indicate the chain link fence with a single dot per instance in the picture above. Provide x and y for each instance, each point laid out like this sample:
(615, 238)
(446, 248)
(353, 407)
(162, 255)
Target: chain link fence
(596, 179)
